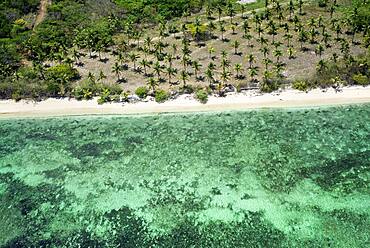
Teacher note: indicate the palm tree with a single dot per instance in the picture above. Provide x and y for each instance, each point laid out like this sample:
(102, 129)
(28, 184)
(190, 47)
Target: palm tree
(185, 60)
(225, 76)
(186, 14)
(145, 63)
(263, 41)
(321, 66)
(238, 68)
(209, 12)
(134, 57)
(169, 59)
(257, 20)
(236, 45)
(159, 48)
(233, 28)
(338, 31)
(266, 76)
(174, 48)
(277, 44)
(246, 27)
(197, 26)
(219, 10)
(291, 53)
(288, 37)
(302, 38)
(265, 51)
(223, 54)
(76, 55)
(312, 23)
(280, 18)
(69, 61)
(231, 12)
(121, 58)
(312, 32)
(148, 42)
(158, 69)
(211, 66)
(209, 75)
(253, 72)
(170, 72)
(91, 76)
(273, 30)
(248, 37)
(162, 29)
(319, 50)
(211, 27)
(196, 67)
(278, 53)
(146, 51)
(286, 27)
(222, 29)
(259, 31)
(300, 7)
(211, 50)
(266, 62)
(291, 9)
(267, 14)
(225, 63)
(297, 23)
(332, 10)
(243, 11)
(101, 76)
(152, 83)
(279, 68)
(336, 81)
(251, 59)
(117, 70)
(184, 76)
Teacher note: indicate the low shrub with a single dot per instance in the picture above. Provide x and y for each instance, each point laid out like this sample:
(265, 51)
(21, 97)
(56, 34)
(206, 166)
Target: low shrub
(161, 96)
(142, 92)
(16, 96)
(300, 85)
(62, 72)
(105, 96)
(361, 79)
(269, 86)
(114, 89)
(201, 96)
(82, 93)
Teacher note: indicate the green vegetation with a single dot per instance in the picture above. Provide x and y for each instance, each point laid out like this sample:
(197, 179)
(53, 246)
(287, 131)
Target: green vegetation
(84, 47)
(142, 92)
(161, 95)
(201, 95)
(361, 79)
(300, 85)
(348, 71)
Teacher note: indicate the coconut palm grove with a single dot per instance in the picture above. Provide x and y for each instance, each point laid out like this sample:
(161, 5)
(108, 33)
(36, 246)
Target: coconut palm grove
(265, 177)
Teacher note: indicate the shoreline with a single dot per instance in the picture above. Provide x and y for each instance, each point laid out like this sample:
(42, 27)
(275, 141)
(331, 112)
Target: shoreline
(53, 107)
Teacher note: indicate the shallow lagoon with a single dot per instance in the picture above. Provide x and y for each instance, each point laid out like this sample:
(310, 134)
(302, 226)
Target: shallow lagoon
(266, 178)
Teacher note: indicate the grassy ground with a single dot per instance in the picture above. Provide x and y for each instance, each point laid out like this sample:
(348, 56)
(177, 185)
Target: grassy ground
(302, 65)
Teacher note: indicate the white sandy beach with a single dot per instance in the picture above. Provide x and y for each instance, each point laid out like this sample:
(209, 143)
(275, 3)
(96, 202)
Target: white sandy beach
(185, 103)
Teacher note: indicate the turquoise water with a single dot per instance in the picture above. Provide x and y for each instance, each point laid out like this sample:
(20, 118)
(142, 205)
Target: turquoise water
(267, 178)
